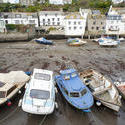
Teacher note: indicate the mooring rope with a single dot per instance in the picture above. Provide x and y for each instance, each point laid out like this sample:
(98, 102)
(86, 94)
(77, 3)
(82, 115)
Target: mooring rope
(9, 115)
(41, 123)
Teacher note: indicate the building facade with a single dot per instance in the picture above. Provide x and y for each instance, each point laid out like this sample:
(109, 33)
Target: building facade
(60, 2)
(10, 1)
(51, 18)
(20, 18)
(117, 1)
(115, 22)
(74, 24)
(96, 23)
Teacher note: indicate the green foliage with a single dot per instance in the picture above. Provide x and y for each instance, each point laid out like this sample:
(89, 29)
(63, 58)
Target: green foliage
(10, 26)
(52, 28)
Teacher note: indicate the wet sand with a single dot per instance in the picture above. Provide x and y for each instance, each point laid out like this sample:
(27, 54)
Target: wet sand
(26, 56)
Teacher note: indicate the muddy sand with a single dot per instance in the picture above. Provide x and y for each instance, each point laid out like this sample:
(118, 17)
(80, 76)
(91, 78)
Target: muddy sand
(29, 55)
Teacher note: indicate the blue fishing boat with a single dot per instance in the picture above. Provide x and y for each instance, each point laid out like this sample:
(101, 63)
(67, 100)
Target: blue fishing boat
(44, 41)
(73, 89)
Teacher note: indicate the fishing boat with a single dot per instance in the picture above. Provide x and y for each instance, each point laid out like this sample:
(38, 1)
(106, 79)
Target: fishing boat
(121, 88)
(39, 97)
(10, 84)
(103, 89)
(107, 41)
(75, 42)
(44, 41)
(73, 90)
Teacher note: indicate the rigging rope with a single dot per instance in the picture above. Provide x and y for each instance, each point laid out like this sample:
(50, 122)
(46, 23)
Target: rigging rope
(41, 123)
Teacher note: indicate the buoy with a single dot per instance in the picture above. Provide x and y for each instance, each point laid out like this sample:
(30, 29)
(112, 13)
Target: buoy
(9, 103)
(98, 103)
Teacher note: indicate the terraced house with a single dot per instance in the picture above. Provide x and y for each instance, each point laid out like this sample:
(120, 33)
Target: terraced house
(51, 18)
(96, 23)
(115, 22)
(74, 24)
(20, 18)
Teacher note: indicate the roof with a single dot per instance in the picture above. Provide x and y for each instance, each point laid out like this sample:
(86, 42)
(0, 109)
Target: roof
(12, 78)
(51, 12)
(67, 71)
(74, 15)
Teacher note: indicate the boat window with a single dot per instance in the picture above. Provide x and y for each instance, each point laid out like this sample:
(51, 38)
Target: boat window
(2, 94)
(67, 77)
(83, 92)
(11, 89)
(1, 84)
(39, 94)
(41, 76)
(74, 74)
(74, 94)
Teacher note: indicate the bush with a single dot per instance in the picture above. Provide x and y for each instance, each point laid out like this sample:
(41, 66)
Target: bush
(10, 26)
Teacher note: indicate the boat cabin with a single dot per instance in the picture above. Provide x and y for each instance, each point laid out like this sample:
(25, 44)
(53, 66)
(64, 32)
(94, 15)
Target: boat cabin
(69, 76)
(6, 89)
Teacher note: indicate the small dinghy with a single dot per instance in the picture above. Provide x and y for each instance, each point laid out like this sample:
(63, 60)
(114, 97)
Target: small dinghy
(103, 90)
(121, 88)
(39, 97)
(11, 83)
(44, 41)
(74, 91)
(75, 42)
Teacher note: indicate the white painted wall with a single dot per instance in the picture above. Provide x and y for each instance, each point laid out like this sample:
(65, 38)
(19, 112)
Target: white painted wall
(74, 27)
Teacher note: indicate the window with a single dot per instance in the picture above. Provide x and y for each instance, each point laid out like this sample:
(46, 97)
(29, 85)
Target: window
(97, 28)
(2, 94)
(53, 23)
(21, 21)
(53, 19)
(48, 20)
(18, 16)
(6, 21)
(43, 24)
(41, 76)
(69, 28)
(11, 89)
(94, 22)
(32, 21)
(5, 16)
(80, 28)
(45, 14)
(69, 22)
(58, 19)
(103, 27)
(66, 77)
(55, 14)
(79, 23)
(17, 22)
(74, 74)
(83, 92)
(74, 94)
(58, 23)
(43, 20)
(92, 28)
(74, 27)
(101, 23)
(2, 84)
(39, 94)
(74, 23)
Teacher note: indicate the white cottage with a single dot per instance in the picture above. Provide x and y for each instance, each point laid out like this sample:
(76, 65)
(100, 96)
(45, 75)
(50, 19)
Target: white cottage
(2, 26)
(20, 18)
(117, 1)
(74, 24)
(51, 18)
(115, 22)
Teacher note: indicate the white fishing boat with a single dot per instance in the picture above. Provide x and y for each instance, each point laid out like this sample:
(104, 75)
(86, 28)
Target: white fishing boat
(39, 97)
(103, 89)
(11, 83)
(104, 41)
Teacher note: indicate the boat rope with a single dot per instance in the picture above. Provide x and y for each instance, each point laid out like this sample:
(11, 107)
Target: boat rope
(9, 115)
(94, 119)
(41, 123)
